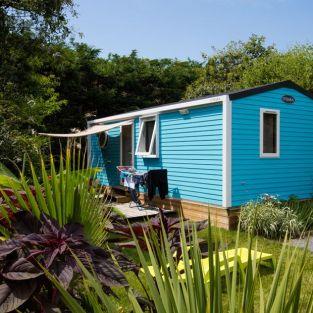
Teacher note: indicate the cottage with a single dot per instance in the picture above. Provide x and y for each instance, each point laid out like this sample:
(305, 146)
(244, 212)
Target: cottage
(220, 151)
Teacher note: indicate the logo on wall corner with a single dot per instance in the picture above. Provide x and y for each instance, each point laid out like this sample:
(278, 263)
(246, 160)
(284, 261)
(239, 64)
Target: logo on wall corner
(288, 99)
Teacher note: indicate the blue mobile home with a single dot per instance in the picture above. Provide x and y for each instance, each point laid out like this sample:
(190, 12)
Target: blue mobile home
(220, 151)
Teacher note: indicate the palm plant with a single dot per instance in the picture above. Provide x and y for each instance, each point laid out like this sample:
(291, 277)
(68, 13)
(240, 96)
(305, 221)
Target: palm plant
(64, 194)
(172, 291)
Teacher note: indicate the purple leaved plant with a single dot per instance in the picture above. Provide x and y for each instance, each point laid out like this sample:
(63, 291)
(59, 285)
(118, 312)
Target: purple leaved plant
(172, 227)
(42, 244)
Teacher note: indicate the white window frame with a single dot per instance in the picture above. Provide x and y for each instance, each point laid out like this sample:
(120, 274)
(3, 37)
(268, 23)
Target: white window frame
(270, 155)
(154, 138)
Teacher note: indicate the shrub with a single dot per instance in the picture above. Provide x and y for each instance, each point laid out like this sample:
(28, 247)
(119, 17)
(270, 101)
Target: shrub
(268, 217)
(38, 245)
(303, 209)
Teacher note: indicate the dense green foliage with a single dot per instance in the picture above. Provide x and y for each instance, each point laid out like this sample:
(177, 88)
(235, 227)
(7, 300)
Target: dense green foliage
(28, 29)
(224, 70)
(104, 86)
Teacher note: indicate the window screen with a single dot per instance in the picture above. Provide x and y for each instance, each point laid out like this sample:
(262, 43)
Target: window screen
(269, 133)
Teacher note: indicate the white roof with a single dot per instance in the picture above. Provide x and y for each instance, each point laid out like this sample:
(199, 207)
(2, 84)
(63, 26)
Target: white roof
(159, 109)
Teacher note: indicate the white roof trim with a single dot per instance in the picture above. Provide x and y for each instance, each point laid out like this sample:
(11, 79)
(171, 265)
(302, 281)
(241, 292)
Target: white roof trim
(160, 109)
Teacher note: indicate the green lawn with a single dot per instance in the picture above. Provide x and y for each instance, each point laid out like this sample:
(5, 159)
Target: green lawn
(267, 246)
(229, 237)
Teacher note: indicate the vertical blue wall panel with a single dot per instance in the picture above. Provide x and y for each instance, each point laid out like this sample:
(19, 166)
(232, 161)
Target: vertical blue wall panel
(292, 172)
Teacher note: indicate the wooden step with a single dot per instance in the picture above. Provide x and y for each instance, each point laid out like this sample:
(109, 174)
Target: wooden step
(114, 197)
(121, 190)
(118, 194)
(120, 198)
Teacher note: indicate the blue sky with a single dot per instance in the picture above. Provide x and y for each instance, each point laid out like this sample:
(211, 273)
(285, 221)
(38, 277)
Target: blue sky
(185, 28)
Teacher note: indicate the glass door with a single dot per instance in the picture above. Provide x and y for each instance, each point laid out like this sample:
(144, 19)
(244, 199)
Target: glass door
(127, 153)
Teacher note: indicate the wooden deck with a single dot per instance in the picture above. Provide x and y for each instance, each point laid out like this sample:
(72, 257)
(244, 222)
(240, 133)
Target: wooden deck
(134, 212)
(197, 211)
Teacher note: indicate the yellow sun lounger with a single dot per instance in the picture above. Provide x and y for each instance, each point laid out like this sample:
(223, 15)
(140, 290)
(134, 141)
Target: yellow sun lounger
(263, 259)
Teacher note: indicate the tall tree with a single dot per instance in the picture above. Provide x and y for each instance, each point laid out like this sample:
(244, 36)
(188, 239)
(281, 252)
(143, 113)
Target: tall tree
(28, 29)
(252, 63)
(223, 70)
(295, 64)
(104, 86)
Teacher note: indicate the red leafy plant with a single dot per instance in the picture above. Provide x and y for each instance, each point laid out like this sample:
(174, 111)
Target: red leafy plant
(172, 228)
(43, 244)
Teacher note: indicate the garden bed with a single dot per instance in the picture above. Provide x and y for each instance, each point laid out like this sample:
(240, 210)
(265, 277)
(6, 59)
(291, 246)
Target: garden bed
(229, 237)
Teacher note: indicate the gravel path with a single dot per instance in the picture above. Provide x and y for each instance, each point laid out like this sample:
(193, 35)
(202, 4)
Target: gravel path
(302, 242)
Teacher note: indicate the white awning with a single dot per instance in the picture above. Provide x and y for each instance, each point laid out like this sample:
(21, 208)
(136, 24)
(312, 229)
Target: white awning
(89, 131)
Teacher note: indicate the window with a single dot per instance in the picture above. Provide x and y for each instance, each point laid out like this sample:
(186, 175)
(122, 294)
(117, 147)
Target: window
(103, 138)
(148, 137)
(269, 133)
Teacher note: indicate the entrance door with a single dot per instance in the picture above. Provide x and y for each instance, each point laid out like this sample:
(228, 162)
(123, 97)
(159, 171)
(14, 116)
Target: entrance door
(127, 152)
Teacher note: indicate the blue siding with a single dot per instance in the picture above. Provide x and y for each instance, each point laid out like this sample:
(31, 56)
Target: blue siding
(107, 158)
(191, 151)
(292, 172)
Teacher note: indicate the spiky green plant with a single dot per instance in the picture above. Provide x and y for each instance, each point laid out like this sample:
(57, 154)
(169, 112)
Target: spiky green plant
(7, 178)
(64, 193)
(170, 291)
